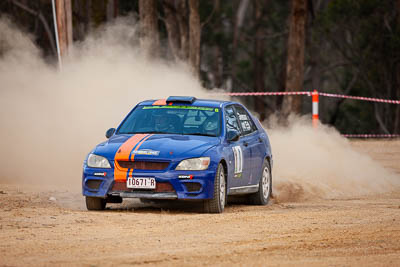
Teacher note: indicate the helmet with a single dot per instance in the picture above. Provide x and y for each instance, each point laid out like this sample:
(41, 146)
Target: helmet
(161, 122)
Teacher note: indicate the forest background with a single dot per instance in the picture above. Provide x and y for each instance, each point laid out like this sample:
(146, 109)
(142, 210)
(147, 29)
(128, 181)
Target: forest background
(349, 47)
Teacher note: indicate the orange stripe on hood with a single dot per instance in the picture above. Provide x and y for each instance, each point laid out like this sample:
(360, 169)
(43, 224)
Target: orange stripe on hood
(138, 146)
(123, 154)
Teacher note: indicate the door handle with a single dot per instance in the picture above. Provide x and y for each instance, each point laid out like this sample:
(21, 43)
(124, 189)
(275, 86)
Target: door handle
(260, 140)
(245, 144)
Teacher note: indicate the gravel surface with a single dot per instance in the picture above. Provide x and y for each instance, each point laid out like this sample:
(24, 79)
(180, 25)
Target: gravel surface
(48, 226)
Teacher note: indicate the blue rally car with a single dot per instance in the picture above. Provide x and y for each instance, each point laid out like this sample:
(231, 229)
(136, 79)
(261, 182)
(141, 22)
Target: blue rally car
(181, 148)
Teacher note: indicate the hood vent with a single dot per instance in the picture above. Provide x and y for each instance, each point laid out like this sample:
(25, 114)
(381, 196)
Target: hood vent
(181, 99)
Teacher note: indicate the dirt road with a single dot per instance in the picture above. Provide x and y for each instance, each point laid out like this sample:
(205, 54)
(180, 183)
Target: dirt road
(51, 227)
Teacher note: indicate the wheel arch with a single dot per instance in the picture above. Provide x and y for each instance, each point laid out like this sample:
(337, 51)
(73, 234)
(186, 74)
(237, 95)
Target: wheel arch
(269, 159)
(270, 162)
(225, 165)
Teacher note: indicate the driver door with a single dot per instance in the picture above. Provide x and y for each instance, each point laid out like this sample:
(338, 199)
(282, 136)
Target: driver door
(240, 156)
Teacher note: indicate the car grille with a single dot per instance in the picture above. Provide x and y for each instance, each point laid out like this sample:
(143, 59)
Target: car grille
(144, 165)
(160, 187)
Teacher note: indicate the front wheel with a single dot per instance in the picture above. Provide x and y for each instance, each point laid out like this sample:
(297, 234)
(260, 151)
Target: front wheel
(217, 203)
(95, 203)
(265, 186)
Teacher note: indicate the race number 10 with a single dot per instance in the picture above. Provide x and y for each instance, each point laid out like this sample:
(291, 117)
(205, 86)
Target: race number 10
(238, 154)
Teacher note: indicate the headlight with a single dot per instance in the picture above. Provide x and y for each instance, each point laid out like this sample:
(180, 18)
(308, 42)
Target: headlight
(96, 161)
(196, 164)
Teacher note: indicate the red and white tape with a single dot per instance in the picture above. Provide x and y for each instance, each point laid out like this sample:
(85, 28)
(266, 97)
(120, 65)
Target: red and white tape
(309, 93)
(361, 98)
(263, 93)
(315, 101)
(371, 135)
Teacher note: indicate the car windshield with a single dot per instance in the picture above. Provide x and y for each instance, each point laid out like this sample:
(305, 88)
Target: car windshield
(186, 120)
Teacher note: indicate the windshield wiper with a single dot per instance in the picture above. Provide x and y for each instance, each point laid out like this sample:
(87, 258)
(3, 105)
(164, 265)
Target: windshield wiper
(202, 134)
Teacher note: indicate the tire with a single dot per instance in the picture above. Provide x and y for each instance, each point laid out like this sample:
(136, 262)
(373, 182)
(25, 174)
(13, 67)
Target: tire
(265, 186)
(217, 203)
(95, 203)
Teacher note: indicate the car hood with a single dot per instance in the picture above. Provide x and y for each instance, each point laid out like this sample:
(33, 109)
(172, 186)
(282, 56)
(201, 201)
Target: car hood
(159, 146)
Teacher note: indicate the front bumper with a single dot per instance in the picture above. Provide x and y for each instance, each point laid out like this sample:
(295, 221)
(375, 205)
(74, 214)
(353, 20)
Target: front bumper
(101, 183)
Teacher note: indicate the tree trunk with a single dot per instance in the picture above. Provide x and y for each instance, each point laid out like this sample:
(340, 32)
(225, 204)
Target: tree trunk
(218, 66)
(259, 61)
(172, 25)
(240, 14)
(182, 12)
(62, 27)
(194, 36)
(68, 21)
(79, 28)
(238, 23)
(149, 27)
(112, 9)
(295, 57)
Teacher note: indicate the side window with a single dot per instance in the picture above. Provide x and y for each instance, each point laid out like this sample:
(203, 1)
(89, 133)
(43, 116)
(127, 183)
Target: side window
(245, 121)
(230, 119)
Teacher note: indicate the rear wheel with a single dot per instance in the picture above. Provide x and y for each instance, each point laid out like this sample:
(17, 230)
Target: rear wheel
(95, 203)
(217, 203)
(265, 186)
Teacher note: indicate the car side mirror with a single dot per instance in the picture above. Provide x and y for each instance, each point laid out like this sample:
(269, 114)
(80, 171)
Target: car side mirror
(233, 136)
(110, 132)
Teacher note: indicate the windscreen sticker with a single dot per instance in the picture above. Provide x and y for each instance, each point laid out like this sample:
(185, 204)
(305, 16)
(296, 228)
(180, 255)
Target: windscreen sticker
(181, 107)
(238, 155)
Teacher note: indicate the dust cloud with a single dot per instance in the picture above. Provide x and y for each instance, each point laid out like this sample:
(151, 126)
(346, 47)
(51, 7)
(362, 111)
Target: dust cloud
(51, 119)
(310, 163)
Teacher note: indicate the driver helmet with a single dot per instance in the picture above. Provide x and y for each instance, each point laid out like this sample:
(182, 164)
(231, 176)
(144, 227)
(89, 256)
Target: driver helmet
(161, 122)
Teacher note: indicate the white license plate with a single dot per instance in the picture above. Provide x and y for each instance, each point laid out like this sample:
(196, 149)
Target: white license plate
(141, 182)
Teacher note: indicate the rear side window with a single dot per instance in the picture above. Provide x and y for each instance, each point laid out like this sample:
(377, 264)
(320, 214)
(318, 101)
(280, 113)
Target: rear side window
(245, 121)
